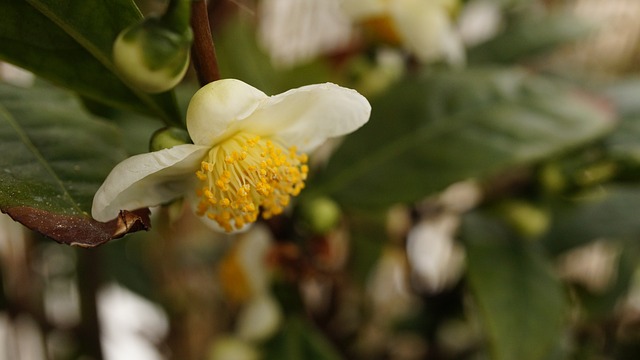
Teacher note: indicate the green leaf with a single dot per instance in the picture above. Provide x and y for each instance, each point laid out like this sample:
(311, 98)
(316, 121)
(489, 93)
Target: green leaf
(521, 304)
(430, 131)
(299, 340)
(610, 212)
(70, 45)
(240, 57)
(623, 143)
(54, 159)
(529, 36)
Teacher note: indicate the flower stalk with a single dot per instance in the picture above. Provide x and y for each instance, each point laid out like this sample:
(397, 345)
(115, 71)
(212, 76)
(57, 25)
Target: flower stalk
(203, 51)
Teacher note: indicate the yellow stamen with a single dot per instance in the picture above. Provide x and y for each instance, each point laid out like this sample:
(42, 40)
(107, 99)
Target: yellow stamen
(233, 277)
(246, 174)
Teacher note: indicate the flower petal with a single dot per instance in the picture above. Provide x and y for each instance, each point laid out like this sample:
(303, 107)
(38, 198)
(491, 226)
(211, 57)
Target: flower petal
(147, 180)
(309, 115)
(216, 106)
(427, 31)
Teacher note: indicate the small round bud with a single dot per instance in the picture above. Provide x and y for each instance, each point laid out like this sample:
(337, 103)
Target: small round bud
(168, 137)
(321, 214)
(151, 56)
(529, 220)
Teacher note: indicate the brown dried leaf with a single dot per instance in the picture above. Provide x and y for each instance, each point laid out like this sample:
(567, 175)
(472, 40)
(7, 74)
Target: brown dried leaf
(80, 231)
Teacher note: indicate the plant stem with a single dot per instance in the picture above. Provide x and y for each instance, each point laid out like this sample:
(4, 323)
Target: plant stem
(203, 52)
(89, 281)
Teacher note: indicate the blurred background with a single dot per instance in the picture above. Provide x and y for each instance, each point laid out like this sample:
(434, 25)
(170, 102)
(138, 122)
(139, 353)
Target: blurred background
(488, 210)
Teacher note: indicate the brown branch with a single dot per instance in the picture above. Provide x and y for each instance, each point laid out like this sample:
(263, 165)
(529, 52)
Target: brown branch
(203, 52)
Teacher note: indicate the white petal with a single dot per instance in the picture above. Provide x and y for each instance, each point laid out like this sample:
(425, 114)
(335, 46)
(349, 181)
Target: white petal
(309, 115)
(427, 31)
(259, 319)
(147, 180)
(216, 106)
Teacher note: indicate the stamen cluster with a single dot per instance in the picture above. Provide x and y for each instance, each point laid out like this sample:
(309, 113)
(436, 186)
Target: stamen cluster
(245, 175)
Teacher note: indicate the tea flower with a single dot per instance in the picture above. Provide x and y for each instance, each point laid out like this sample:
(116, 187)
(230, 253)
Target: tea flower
(249, 153)
(245, 275)
(423, 27)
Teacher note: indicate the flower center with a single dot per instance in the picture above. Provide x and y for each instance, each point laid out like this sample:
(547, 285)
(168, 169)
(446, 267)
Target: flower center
(245, 175)
(383, 28)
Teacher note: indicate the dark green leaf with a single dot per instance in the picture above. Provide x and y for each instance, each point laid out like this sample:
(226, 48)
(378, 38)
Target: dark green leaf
(54, 159)
(299, 340)
(610, 213)
(70, 44)
(527, 37)
(623, 143)
(521, 304)
(240, 57)
(430, 131)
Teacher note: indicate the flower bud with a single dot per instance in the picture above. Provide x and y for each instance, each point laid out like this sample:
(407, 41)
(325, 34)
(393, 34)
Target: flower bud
(168, 137)
(530, 221)
(151, 56)
(321, 214)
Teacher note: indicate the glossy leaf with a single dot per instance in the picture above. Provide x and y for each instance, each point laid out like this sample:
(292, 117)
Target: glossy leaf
(54, 159)
(521, 304)
(430, 131)
(529, 37)
(70, 45)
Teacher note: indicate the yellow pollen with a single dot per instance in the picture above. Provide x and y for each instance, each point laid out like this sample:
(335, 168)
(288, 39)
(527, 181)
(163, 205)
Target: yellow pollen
(246, 174)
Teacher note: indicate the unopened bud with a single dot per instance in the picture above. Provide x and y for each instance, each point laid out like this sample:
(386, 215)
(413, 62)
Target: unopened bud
(321, 214)
(168, 137)
(529, 220)
(151, 56)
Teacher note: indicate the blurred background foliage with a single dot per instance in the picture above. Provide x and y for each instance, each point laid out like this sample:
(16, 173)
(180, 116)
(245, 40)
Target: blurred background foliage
(488, 210)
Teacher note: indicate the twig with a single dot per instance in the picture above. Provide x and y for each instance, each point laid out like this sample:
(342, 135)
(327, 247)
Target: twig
(203, 52)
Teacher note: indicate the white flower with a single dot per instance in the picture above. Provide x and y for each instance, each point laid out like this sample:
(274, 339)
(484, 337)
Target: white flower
(248, 153)
(295, 31)
(245, 278)
(436, 259)
(244, 271)
(423, 27)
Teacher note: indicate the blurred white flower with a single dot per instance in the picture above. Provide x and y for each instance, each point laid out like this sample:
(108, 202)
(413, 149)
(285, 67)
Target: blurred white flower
(593, 266)
(388, 286)
(245, 277)
(424, 27)
(435, 258)
(131, 327)
(248, 157)
(259, 319)
(461, 197)
(294, 31)
(479, 21)
(244, 271)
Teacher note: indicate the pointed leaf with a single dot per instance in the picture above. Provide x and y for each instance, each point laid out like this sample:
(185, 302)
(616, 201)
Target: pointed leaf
(521, 304)
(54, 159)
(70, 45)
(428, 132)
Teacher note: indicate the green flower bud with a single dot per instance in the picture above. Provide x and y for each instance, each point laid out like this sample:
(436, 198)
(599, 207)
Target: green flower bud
(168, 137)
(528, 219)
(321, 214)
(151, 56)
